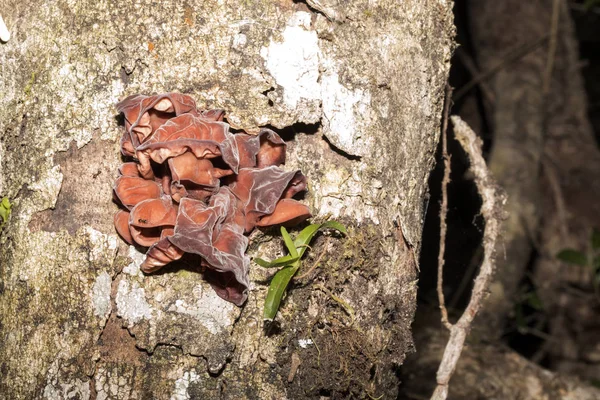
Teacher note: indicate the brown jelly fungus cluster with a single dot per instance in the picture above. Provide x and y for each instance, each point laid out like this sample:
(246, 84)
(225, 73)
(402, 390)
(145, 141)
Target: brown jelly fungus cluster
(192, 186)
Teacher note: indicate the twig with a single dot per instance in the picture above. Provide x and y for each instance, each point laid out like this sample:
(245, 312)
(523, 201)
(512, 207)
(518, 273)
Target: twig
(492, 201)
(509, 58)
(469, 64)
(347, 307)
(294, 367)
(537, 333)
(444, 209)
(318, 350)
(559, 199)
(311, 269)
(552, 46)
(539, 355)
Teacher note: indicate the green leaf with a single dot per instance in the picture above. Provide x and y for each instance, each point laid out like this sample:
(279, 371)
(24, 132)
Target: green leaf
(334, 225)
(571, 256)
(280, 262)
(4, 214)
(277, 288)
(305, 236)
(289, 243)
(595, 239)
(5, 207)
(290, 263)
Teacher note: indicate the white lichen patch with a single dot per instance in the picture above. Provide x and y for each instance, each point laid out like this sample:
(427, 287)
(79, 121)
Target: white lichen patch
(76, 389)
(101, 244)
(115, 384)
(304, 343)
(182, 384)
(341, 193)
(59, 389)
(101, 295)
(294, 62)
(345, 114)
(74, 76)
(214, 313)
(239, 41)
(137, 258)
(131, 303)
(45, 190)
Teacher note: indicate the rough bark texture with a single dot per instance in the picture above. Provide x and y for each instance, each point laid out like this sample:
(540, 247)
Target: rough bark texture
(357, 91)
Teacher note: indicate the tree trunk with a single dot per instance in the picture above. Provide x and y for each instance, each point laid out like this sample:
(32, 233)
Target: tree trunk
(355, 90)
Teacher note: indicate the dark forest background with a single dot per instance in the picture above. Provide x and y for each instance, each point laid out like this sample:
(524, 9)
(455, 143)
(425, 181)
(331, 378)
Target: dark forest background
(550, 278)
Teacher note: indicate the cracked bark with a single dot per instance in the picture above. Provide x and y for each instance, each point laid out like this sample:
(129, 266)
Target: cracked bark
(268, 64)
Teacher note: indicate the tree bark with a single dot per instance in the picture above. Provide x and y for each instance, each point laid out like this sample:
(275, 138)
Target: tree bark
(356, 91)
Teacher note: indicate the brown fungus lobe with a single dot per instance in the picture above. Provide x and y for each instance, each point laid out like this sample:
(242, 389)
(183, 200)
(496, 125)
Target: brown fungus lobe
(195, 187)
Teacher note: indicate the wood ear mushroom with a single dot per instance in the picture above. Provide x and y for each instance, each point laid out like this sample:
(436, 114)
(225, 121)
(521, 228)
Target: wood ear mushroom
(195, 187)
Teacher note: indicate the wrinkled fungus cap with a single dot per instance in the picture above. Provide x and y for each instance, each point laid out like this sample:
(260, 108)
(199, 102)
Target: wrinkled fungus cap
(195, 187)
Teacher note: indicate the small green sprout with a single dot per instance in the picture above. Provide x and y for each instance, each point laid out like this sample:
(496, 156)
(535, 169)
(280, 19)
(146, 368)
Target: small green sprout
(5, 207)
(290, 264)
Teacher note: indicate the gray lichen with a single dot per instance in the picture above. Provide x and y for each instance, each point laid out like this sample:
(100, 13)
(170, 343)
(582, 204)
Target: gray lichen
(131, 303)
(101, 295)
